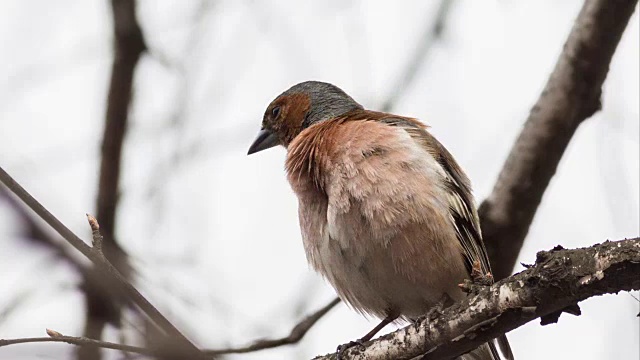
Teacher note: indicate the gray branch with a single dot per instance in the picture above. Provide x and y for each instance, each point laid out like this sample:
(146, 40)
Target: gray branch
(571, 95)
(559, 279)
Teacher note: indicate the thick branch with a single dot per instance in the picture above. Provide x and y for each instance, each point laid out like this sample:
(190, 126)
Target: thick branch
(572, 94)
(558, 279)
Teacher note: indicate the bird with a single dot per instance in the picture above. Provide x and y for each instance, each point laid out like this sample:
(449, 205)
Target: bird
(386, 214)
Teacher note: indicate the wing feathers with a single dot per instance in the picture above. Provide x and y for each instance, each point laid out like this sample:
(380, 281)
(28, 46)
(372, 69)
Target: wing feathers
(462, 207)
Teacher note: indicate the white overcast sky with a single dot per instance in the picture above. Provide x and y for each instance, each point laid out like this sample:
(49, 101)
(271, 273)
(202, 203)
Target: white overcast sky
(213, 232)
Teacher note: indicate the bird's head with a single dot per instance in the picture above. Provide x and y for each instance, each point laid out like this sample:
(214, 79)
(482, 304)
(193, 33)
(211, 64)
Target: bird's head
(298, 108)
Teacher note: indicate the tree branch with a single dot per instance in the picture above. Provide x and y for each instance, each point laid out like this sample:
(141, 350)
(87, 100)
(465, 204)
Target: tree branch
(558, 279)
(122, 286)
(504, 222)
(129, 44)
(54, 336)
(35, 232)
(296, 334)
(571, 95)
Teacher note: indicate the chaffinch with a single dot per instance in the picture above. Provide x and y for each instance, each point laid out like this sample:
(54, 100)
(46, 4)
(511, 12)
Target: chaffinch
(386, 214)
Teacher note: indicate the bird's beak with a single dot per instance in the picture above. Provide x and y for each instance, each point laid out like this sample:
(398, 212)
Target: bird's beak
(265, 139)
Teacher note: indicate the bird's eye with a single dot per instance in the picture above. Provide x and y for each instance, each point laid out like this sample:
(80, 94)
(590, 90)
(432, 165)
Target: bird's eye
(276, 111)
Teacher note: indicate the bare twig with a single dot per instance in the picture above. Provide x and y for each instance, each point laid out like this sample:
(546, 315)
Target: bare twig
(106, 268)
(55, 336)
(95, 233)
(94, 282)
(294, 336)
(559, 278)
(571, 95)
(432, 33)
(35, 232)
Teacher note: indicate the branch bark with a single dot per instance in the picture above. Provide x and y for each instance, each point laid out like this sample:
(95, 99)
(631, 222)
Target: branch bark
(571, 95)
(559, 278)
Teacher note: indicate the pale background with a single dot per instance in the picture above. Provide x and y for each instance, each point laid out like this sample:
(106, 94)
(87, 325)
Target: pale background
(213, 232)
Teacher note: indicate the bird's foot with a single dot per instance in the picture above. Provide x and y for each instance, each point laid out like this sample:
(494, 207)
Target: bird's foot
(344, 347)
(435, 312)
(444, 302)
(479, 277)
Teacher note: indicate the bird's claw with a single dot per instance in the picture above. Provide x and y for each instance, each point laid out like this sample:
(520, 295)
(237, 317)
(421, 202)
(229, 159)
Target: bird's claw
(344, 347)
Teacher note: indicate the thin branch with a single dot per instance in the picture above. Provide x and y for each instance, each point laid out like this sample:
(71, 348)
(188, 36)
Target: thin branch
(35, 232)
(105, 267)
(94, 283)
(571, 95)
(431, 35)
(54, 336)
(558, 279)
(95, 233)
(294, 336)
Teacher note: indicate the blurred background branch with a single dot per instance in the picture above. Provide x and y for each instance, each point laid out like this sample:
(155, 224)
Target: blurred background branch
(432, 33)
(194, 211)
(101, 306)
(174, 342)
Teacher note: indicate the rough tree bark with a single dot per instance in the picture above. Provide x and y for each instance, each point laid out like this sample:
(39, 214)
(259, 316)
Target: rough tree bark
(558, 279)
(571, 95)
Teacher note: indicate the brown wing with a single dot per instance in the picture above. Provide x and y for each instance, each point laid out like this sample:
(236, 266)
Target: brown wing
(462, 206)
(464, 215)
